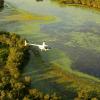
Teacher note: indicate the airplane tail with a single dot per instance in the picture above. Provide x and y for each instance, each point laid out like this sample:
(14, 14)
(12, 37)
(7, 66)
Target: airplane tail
(26, 43)
(44, 44)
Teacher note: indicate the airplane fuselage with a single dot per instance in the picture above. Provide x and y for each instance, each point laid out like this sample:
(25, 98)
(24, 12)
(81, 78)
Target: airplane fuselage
(42, 47)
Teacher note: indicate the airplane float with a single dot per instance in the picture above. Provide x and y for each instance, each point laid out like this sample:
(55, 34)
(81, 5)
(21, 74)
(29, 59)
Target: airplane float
(42, 47)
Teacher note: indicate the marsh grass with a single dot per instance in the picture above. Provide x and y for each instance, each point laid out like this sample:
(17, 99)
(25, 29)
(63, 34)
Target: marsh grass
(3, 54)
(51, 71)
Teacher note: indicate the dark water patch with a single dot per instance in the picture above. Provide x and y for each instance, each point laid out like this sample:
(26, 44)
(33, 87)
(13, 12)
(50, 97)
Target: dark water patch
(89, 26)
(86, 61)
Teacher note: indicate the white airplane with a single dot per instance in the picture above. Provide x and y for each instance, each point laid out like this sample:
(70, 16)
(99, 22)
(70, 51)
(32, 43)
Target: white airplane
(42, 47)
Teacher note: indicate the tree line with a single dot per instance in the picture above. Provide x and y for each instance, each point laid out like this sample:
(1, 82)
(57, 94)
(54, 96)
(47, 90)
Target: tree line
(90, 3)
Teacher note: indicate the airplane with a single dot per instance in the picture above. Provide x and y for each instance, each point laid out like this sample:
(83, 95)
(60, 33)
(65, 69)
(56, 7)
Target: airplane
(42, 47)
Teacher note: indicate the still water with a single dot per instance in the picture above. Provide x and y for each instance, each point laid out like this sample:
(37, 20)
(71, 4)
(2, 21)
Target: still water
(72, 32)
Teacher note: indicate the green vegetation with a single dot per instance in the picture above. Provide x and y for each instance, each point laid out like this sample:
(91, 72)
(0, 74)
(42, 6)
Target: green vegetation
(12, 85)
(3, 54)
(16, 54)
(76, 87)
(90, 3)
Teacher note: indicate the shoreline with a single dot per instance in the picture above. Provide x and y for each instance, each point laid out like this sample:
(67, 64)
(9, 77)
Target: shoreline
(89, 4)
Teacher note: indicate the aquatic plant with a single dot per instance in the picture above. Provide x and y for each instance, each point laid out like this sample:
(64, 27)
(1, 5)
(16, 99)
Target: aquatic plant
(90, 3)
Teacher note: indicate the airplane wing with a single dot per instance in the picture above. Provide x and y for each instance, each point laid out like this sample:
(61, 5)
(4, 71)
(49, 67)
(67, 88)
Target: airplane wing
(26, 43)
